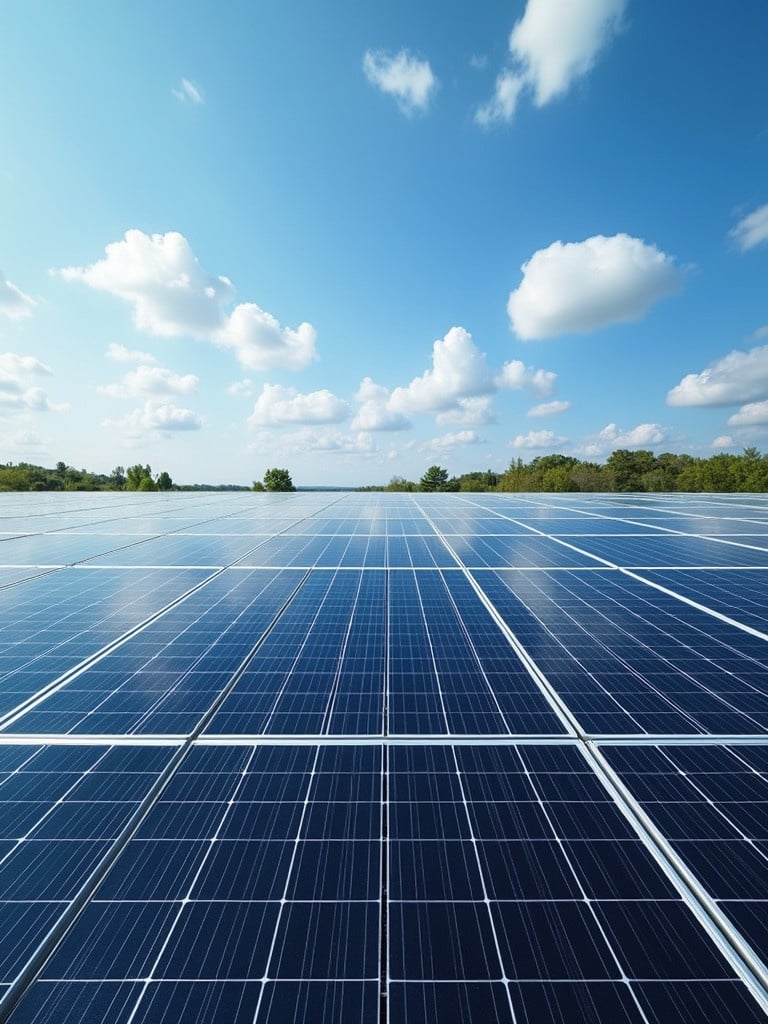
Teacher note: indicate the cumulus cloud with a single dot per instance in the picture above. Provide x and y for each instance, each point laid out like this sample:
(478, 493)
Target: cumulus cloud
(577, 287)
(549, 408)
(501, 107)
(13, 302)
(515, 376)
(172, 296)
(154, 419)
(753, 414)
(121, 354)
(242, 387)
(457, 388)
(447, 442)
(735, 379)
(280, 406)
(151, 380)
(641, 435)
(468, 412)
(537, 439)
(374, 413)
(18, 393)
(188, 92)
(724, 441)
(551, 46)
(752, 230)
(409, 80)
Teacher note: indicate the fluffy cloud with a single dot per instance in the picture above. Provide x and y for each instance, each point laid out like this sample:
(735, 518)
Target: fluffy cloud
(325, 441)
(502, 105)
(121, 354)
(409, 80)
(515, 376)
(549, 409)
(13, 302)
(735, 379)
(639, 436)
(447, 442)
(374, 413)
(151, 380)
(458, 388)
(242, 387)
(172, 296)
(279, 406)
(187, 92)
(552, 45)
(753, 414)
(576, 287)
(154, 419)
(468, 412)
(724, 441)
(459, 370)
(537, 439)
(18, 393)
(752, 230)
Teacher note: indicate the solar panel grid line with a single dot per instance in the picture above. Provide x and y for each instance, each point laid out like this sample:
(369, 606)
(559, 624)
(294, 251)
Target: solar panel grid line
(726, 937)
(558, 705)
(67, 677)
(62, 925)
(609, 648)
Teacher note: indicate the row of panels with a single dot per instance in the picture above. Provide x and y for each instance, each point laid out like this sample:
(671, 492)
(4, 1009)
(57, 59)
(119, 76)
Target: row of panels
(354, 653)
(337, 884)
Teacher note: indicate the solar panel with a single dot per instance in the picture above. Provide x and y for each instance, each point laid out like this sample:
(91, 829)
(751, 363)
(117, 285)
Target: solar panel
(384, 758)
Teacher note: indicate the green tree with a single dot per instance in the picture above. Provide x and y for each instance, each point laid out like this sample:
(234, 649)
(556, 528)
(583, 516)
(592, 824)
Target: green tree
(435, 479)
(164, 482)
(629, 467)
(278, 480)
(134, 476)
(117, 478)
(258, 485)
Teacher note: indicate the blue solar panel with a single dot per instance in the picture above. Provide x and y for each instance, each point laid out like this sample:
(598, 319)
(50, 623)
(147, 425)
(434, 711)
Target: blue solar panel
(390, 758)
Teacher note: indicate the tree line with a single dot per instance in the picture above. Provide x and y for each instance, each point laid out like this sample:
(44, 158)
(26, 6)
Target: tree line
(25, 476)
(624, 470)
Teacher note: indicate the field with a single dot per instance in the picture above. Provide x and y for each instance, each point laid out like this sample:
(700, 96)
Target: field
(341, 758)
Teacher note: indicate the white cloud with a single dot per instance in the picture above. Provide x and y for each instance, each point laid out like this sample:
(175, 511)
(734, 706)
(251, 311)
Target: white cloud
(280, 406)
(555, 43)
(458, 388)
(724, 441)
(121, 354)
(752, 414)
(154, 419)
(17, 392)
(242, 387)
(188, 92)
(409, 80)
(172, 296)
(501, 108)
(447, 442)
(515, 376)
(735, 379)
(13, 302)
(374, 413)
(549, 408)
(552, 45)
(577, 287)
(459, 370)
(537, 439)
(260, 343)
(468, 412)
(637, 437)
(151, 380)
(752, 230)
(12, 363)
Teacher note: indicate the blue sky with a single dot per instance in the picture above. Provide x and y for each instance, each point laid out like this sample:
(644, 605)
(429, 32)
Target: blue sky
(356, 239)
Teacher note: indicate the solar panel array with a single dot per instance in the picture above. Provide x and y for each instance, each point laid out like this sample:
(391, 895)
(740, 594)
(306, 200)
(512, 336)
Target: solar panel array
(350, 758)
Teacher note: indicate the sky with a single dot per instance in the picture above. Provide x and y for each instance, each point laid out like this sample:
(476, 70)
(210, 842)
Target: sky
(356, 239)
